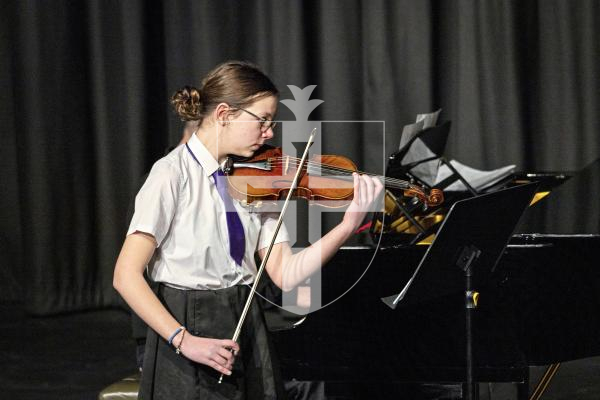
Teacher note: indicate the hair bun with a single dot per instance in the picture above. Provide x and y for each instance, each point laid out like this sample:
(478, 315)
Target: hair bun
(187, 103)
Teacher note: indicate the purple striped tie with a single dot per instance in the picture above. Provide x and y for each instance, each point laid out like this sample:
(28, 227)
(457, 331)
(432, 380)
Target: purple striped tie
(237, 242)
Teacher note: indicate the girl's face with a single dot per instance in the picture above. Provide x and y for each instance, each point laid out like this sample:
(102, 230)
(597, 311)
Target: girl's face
(244, 134)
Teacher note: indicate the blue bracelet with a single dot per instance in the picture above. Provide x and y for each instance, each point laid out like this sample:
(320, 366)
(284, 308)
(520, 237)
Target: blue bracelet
(175, 334)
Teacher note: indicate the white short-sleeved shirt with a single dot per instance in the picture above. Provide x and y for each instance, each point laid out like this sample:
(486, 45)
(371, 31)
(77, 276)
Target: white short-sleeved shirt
(180, 206)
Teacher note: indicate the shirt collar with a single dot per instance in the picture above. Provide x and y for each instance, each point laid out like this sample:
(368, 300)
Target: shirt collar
(206, 160)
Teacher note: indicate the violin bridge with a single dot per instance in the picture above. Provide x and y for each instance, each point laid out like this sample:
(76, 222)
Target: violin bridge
(287, 164)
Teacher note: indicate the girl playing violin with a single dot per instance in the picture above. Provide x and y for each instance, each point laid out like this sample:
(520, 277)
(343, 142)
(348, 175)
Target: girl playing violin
(203, 257)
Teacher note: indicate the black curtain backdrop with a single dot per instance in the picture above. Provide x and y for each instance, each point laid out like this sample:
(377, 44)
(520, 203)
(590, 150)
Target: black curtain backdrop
(84, 108)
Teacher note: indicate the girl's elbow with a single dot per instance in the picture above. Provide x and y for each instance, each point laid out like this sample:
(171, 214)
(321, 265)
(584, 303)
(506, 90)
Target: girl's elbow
(287, 285)
(116, 282)
(118, 278)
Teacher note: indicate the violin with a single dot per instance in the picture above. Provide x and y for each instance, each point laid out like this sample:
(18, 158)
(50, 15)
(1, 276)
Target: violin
(325, 179)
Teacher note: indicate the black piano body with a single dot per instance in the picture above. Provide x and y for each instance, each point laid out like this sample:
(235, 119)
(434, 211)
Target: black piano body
(540, 306)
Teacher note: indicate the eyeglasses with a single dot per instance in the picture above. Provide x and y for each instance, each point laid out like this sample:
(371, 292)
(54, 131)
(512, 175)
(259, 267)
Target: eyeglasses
(265, 124)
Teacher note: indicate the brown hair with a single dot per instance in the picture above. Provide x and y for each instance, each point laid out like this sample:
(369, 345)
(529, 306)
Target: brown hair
(237, 83)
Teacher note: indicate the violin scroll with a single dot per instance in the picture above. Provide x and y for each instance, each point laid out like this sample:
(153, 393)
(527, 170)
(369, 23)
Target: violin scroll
(434, 198)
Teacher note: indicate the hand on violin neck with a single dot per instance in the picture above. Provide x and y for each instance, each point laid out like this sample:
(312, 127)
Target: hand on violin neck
(367, 192)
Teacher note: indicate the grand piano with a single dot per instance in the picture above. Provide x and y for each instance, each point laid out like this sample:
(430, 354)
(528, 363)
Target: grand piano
(540, 306)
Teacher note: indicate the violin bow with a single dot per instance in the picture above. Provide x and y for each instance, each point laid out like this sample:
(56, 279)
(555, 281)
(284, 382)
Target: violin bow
(261, 269)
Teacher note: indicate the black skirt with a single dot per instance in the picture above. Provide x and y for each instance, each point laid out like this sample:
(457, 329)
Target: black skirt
(213, 314)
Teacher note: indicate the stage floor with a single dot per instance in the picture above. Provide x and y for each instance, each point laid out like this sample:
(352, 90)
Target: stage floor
(66, 357)
(74, 356)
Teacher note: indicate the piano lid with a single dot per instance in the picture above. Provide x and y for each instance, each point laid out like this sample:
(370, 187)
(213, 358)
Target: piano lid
(573, 208)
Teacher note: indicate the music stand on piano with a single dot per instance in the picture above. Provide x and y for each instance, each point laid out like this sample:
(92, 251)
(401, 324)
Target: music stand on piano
(418, 160)
(434, 139)
(464, 253)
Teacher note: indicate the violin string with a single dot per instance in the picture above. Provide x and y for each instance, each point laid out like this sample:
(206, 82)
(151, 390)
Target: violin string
(325, 167)
(337, 171)
(340, 172)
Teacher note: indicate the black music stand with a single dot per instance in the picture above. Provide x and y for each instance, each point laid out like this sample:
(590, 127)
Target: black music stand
(435, 139)
(474, 233)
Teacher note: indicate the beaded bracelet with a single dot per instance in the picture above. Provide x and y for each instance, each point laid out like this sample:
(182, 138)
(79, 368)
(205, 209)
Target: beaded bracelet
(175, 334)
